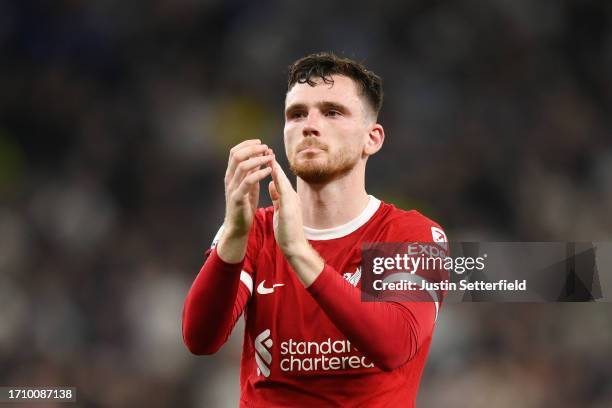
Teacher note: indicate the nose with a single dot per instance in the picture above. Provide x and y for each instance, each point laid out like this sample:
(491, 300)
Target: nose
(311, 127)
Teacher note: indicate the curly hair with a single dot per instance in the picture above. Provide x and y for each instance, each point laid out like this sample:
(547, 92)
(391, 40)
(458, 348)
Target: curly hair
(325, 64)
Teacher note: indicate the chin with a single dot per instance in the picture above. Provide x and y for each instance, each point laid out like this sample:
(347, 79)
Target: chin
(315, 172)
(314, 176)
(311, 171)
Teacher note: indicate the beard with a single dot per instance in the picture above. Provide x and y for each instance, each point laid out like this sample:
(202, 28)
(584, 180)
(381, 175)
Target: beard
(322, 170)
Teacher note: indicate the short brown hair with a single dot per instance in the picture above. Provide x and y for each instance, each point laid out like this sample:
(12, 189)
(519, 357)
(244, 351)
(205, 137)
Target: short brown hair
(325, 64)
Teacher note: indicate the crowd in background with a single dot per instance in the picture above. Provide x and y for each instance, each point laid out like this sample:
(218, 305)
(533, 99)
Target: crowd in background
(115, 123)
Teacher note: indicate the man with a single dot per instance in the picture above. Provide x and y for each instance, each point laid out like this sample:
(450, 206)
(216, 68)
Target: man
(293, 268)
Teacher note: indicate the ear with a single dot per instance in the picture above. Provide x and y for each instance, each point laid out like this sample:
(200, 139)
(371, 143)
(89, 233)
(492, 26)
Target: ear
(376, 137)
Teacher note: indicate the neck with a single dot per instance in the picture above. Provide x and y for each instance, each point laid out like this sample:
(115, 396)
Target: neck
(335, 203)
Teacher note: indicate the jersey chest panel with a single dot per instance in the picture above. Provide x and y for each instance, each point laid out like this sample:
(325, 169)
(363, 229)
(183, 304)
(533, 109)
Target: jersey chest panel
(287, 332)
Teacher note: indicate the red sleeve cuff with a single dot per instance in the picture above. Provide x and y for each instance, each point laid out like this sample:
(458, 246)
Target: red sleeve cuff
(321, 282)
(217, 262)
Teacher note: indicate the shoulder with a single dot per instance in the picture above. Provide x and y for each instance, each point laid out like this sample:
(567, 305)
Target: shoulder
(411, 225)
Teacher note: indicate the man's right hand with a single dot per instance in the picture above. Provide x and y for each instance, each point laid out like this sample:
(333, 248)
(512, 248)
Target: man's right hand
(242, 179)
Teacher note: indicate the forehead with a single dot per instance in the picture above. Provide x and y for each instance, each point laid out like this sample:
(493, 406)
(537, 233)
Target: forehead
(343, 90)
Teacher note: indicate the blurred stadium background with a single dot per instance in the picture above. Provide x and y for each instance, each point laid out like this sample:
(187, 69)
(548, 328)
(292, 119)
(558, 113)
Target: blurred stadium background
(115, 121)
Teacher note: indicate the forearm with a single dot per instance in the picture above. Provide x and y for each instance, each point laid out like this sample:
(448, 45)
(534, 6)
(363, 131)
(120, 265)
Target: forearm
(388, 333)
(213, 305)
(216, 299)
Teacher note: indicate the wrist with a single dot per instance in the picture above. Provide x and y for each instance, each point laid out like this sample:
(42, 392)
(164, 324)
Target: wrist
(232, 247)
(296, 248)
(233, 231)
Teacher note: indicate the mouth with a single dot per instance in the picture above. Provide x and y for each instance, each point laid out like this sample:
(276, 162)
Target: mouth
(308, 150)
(311, 147)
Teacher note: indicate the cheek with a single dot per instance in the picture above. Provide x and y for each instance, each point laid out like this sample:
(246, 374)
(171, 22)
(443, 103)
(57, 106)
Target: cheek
(289, 131)
(353, 139)
(288, 140)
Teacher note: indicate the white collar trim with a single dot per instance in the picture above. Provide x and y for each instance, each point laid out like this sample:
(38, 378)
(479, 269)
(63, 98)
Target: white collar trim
(345, 229)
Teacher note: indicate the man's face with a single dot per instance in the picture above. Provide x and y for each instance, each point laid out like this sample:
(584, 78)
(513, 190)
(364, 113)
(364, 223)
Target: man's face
(326, 127)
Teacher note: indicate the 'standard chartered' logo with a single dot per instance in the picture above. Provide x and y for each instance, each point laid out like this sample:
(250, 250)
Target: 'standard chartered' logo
(299, 355)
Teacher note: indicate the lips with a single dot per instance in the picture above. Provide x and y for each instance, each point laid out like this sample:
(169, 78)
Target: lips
(311, 147)
(310, 150)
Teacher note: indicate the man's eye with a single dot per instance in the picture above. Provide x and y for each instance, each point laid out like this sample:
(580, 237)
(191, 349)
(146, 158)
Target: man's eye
(297, 115)
(332, 113)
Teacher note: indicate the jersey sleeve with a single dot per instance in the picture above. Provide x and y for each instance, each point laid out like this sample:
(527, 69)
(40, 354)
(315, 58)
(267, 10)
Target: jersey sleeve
(388, 332)
(426, 242)
(218, 296)
(247, 273)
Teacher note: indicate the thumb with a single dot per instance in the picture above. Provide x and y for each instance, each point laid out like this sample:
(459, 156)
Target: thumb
(274, 196)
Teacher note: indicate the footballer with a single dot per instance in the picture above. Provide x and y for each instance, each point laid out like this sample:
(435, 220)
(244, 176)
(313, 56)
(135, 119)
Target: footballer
(293, 269)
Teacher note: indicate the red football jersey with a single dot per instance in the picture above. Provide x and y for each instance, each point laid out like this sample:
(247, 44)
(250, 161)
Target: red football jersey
(297, 350)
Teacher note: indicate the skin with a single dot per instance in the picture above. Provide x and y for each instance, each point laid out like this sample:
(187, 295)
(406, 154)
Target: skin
(330, 131)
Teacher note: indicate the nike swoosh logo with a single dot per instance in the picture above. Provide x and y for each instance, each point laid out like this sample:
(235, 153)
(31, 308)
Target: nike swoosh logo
(262, 290)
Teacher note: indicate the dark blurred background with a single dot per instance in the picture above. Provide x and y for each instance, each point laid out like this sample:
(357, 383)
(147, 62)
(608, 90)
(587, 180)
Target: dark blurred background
(115, 122)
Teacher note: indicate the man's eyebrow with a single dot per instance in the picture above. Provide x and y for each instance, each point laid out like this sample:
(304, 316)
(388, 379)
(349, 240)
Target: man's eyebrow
(333, 105)
(294, 107)
(322, 105)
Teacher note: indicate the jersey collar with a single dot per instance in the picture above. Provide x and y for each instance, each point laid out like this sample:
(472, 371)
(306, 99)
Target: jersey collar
(345, 229)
